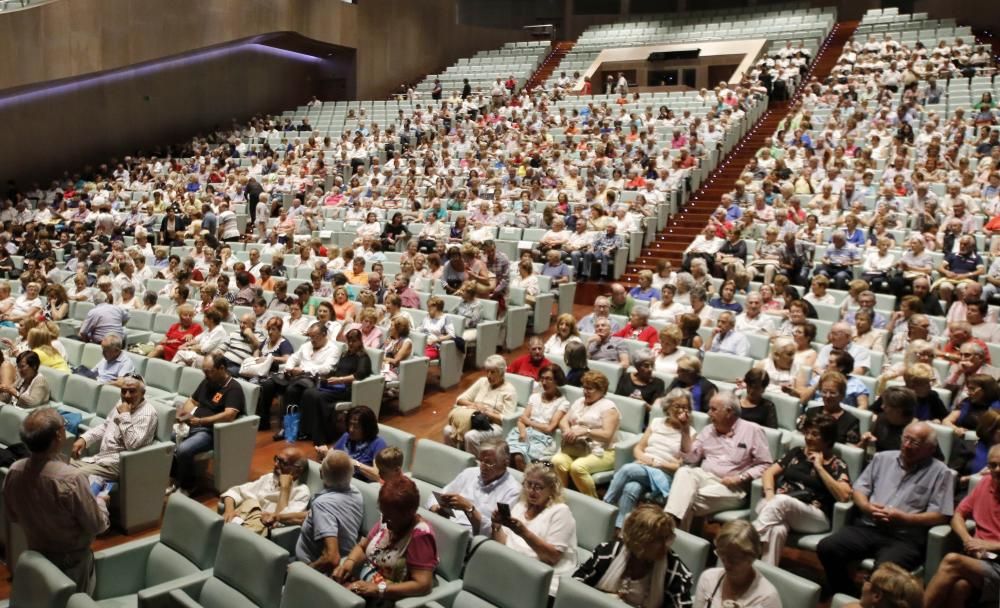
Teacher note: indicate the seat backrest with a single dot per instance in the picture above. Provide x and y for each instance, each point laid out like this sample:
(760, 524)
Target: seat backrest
(504, 577)
(794, 590)
(56, 381)
(162, 374)
(632, 412)
(522, 387)
(399, 439)
(574, 594)
(452, 544)
(439, 464)
(728, 368)
(693, 551)
(307, 587)
(595, 519)
(191, 529)
(369, 496)
(81, 392)
(853, 457)
(249, 567)
(189, 380)
(109, 397)
(39, 584)
(10, 424)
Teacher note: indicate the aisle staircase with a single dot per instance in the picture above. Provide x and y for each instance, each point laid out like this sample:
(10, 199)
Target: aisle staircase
(550, 64)
(683, 227)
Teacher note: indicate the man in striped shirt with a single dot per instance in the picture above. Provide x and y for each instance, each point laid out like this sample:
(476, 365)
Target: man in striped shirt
(130, 426)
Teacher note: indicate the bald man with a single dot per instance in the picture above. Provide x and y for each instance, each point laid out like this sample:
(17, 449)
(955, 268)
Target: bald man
(278, 499)
(901, 494)
(331, 529)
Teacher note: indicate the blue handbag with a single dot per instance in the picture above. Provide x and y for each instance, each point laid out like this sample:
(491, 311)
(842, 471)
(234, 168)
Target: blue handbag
(290, 423)
(72, 420)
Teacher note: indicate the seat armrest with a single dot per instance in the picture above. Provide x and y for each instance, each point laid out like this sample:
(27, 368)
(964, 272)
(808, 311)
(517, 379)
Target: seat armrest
(181, 599)
(119, 569)
(624, 450)
(161, 596)
(444, 593)
(508, 422)
(841, 515)
(756, 494)
(286, 537)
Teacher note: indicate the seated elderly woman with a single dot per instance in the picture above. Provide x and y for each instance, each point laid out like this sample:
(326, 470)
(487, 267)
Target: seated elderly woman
(30, 390)
(890, 586)
(736, 582)
(566, 332)
(780, 367)
(480, 409)
(638, 327)
(641, 384)
(640, 568)
(207, 342)
(689, 377)
(668, 351)
(533, 439)
(832, 390)
(396, 559)
(657, 456)
(983, 395)
(179, 334)
(361, 442)
(540, 525)
(801, 488)
(645, 291)
(589, 432)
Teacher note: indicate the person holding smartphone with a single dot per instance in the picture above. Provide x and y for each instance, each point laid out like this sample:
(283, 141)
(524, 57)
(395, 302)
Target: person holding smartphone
(540, 525)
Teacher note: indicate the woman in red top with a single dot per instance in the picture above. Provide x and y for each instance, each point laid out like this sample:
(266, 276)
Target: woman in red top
(178, 334)
(638, 327)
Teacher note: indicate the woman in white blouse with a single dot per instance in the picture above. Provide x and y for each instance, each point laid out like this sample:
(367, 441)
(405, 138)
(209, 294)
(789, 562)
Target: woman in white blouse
(527, 280)
(667, 351)
(533, 439)
(589, 432)
(666, 309)
(208, 341)
(566, 332)
(540, 524)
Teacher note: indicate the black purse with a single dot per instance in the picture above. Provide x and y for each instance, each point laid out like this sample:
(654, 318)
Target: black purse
(480, 422)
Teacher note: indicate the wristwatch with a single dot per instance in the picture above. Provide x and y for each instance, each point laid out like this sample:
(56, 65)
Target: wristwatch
(381, 589)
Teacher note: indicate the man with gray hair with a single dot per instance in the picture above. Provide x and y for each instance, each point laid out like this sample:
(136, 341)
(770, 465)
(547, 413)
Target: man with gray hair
(492, 396)
(52, 501)
(472, 497)
(839, 260)
(115, 364)
(730, 454)
(241, 345)
(130, 426)
(602, 310)
(901, 494)
(331, 528)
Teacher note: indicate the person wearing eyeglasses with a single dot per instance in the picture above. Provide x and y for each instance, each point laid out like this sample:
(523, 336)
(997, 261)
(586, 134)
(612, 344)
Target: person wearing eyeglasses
(901, 494)
(471, 498)
(277, 499)
(130, 426)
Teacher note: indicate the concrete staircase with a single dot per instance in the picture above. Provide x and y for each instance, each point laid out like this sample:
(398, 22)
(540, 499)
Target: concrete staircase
(548, 67)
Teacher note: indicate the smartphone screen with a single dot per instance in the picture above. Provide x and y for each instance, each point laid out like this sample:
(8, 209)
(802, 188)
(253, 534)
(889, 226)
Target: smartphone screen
(504, 510)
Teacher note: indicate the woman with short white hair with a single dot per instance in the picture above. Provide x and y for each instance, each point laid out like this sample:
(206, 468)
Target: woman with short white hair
(479, 410)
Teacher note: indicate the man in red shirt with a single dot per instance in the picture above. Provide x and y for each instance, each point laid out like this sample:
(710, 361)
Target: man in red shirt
(975, 571)
(529, 365)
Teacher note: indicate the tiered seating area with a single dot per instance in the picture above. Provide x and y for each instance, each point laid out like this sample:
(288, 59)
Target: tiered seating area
(803, 27)
(517, 59)
(382, 157)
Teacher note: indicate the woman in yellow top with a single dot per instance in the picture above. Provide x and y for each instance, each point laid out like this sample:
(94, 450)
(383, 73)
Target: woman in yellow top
(40, 342)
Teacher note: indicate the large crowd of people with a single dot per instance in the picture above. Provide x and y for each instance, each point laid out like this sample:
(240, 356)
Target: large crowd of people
(808, 240)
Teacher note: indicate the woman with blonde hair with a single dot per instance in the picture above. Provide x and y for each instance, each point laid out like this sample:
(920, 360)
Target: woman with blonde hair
(645, 291)
(540, 525)
(40, 342)
(668, 352)
(640, 568)
(890, 586)
(566, 332)
(589, 433)
(736, 582)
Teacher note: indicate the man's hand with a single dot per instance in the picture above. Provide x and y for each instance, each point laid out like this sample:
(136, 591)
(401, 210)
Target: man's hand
(269, 519)
(733, 482)
(459, 502)
(285, 481)
(976, 547)
(78, 447)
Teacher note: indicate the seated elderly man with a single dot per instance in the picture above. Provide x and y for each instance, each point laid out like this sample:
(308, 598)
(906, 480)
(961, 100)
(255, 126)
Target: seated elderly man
(218, 398)
(729, 453)
(130, 426)
(970, 293)
(918, 327)
(313, 360)
(241, 344)
(867, 301)
(972, 361)
(839, 260)
(972, 573)
(333, 524)
(492, 396)
(901, 494)
(102, 320)
(603, 250)
(530, 364)
(725, 339)
(602, 310)
(278, 498)
(115, 364)
(959, 268)
(752, 320)
(602, 346)
(621, 302)
(472, 497)
(840, 340)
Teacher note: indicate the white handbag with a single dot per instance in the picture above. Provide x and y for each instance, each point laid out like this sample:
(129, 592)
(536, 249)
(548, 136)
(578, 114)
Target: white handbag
(256, 367)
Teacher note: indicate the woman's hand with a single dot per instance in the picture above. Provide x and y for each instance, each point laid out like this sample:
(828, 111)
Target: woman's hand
(364, 588)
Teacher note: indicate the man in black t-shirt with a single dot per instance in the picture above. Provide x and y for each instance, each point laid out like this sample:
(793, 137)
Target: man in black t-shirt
(218, 398)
